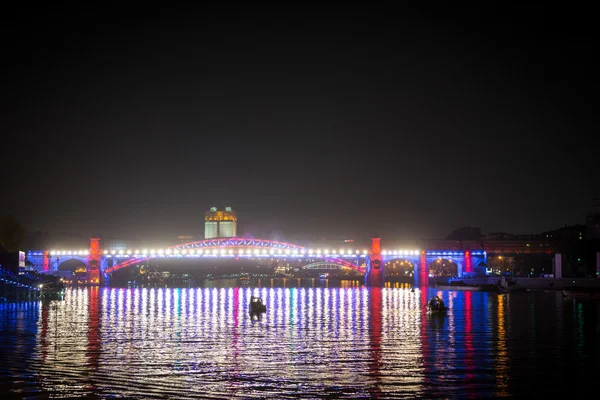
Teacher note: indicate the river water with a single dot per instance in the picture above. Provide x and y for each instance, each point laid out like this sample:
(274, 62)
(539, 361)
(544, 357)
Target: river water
(313, 342)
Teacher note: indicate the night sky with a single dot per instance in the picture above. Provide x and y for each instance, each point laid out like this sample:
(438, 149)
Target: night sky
(346, 122)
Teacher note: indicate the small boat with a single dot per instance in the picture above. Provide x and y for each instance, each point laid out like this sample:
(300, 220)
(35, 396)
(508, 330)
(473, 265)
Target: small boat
(257, 305)
(244, 277)
(437, 311)
(581, 293)
(53, 289)
(436, 306)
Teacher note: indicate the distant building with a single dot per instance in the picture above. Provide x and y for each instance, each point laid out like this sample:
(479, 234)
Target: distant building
(592, 221)
(466, 233)
(512, 236)
(220, 224)
(571, 232)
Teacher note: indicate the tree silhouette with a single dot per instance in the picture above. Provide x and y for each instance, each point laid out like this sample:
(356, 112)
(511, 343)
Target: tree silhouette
(12, 234)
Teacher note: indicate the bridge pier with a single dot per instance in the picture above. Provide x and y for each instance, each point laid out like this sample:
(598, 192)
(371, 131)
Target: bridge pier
(557, 265)
(375, 274)
(422, 279)
(93, 264)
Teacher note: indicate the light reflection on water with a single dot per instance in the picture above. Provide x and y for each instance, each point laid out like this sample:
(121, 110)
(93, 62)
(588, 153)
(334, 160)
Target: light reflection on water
(312, 342)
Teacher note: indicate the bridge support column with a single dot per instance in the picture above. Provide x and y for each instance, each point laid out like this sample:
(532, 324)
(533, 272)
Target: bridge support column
(94, 261)
(375, 274)
(424, 270)
(557, 265)
(468, 263)
(46, 265)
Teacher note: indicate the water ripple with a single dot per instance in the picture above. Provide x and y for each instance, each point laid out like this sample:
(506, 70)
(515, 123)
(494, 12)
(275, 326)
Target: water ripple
(348, 342)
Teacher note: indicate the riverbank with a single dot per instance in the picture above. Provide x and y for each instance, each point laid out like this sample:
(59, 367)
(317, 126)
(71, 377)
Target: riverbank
(535, 283)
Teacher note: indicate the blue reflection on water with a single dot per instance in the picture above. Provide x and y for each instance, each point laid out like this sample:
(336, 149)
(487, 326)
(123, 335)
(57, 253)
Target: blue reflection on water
(347, 341)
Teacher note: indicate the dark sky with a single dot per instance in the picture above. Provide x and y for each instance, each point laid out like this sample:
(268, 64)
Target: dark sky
(131, 122)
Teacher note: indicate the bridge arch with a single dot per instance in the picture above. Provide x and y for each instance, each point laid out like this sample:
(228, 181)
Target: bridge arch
(322, 265)
(400, 267)
(61, 260)
(235, 247)
(444, 266)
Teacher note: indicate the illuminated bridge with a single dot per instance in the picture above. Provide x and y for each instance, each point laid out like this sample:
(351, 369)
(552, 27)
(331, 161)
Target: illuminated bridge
(101, 263)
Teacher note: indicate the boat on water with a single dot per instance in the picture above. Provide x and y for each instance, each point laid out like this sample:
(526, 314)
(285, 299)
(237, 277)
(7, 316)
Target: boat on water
(436, 306)
(53, 289)
(257, 305)
(244, 277)
(582, 293)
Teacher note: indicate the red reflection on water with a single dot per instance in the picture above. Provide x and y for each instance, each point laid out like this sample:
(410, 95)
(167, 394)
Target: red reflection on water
(94, 346)
(375, 305)
(428, 369)
(469, 348)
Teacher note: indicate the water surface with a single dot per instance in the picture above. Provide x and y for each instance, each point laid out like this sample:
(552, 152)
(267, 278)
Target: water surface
(313, 342)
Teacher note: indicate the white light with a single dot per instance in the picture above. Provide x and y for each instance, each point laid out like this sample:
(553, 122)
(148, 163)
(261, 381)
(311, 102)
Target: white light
(264, 251)
(357, 251)
(287, 251)
(384, 252)
(145, 251)
(310, 251)
(342, 251)
(230, 251)
(319, 251)
(248, 251)
(214, 251)
(365, 252)
(168, 251)
(326, 251)
(152, 251)
(160, 251)
(271, 251)
(176, 251)
(184, 251)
